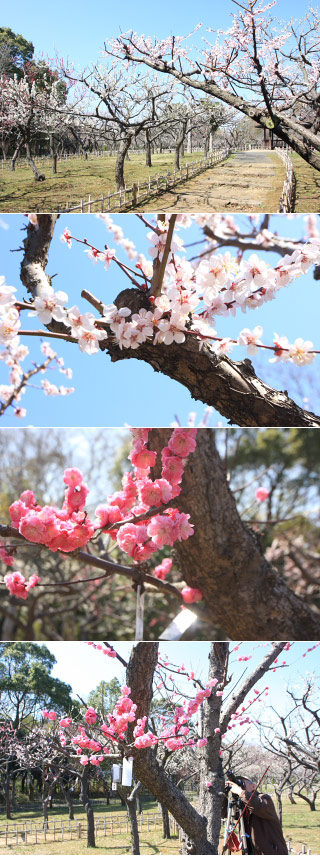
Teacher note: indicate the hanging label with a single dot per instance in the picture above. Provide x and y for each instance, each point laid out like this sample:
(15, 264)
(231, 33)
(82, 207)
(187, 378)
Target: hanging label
(116, 772)
(139, 614)
(127, 765)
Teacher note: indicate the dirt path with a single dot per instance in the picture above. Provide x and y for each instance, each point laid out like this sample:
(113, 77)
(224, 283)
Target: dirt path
(247, 181)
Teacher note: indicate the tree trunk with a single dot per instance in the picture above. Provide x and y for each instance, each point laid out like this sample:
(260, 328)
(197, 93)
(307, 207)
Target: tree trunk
(67, 793)
(189, 142)
(279, 804)
(244, 595)
(211, 772)
(45, 803)
(54, 152)
(84, 796)
(165, 821)
(148, 150)
(179, 143)
(15, 156)
(311, 802)
(131, 805)
(39, 177)
(124, 147)
(7, 792)
(135, 841)
(140, 671)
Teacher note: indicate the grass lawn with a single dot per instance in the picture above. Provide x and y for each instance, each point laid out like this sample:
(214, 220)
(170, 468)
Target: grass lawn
(299, 825)
(308, 185)
(75, 180)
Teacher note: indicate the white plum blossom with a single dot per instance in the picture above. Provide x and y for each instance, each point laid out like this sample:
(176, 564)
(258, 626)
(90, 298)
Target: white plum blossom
(50, 305)
(78, 320)
(255, 270)
(300, 352)
(89, 337)
(251, 339)
(170, 331)
(9, 325)
(6, 292)
(5, 392)
(281, 352)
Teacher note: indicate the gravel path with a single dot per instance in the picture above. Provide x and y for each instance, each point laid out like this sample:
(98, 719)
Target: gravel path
(245, 182)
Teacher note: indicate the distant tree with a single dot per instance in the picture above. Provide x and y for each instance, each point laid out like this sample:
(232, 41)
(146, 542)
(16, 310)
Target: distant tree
(105, 696)
(26, 685)
(15, 52)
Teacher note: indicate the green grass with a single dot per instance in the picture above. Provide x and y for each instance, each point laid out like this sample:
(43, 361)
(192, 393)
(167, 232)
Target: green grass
(308, 185)
(75, 180)
(299, 825)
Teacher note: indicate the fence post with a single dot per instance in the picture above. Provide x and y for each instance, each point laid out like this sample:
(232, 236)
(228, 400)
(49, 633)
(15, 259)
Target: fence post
(102, 202)
(89, 203)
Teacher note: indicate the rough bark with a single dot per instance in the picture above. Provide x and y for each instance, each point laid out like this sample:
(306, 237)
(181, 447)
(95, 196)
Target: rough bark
(124, 147)
(147, 769)
(148, 149)
(39, 177)
(131, 804)
(231, 387)
(165, 821)
(7, 792)
(84, 796)
(243, 592)
(67, 793)
(279, 803)
(210, 763)
(15, 156)
(54, 152)
(179, 143)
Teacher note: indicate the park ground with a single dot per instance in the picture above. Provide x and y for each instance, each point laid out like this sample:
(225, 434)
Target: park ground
(246, 181)
(299, 825)
(250, 181)
(76, 178)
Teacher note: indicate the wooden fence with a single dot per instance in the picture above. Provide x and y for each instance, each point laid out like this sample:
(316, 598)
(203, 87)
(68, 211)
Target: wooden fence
(31, 832)
(139, 192)
(288, 196)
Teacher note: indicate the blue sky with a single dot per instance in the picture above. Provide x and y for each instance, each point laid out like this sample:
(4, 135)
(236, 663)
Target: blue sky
(84, 668)
(130, 391)
(76, 31)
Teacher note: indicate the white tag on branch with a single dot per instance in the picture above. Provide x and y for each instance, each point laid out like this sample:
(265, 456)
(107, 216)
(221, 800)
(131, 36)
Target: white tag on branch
(127, 765)
(116, 773)
(139, 614)
(179, 625)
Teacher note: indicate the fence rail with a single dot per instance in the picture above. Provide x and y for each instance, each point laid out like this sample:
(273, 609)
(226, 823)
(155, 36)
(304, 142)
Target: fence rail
(129, 197)
(30, 832)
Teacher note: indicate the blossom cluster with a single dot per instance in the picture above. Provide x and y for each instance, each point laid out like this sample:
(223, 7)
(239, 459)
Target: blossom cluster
(14, 353)
(193, 295)
(140, 493)
(175, 733)
(69, 528)
(64, 529)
